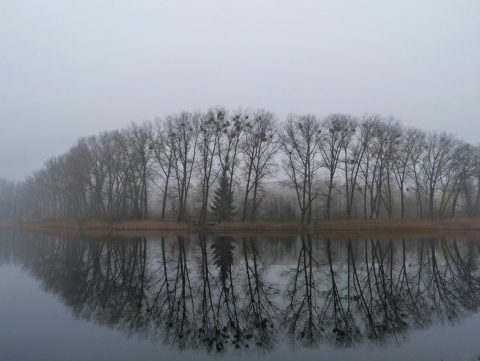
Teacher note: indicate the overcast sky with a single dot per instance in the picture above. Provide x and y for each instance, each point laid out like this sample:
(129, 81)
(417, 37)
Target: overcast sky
(71, 69)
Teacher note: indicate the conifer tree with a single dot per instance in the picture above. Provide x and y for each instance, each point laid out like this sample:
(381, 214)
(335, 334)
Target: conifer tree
(223, 203)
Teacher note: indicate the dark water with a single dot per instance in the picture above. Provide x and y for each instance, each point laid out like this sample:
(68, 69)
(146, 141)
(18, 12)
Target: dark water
(203, 297)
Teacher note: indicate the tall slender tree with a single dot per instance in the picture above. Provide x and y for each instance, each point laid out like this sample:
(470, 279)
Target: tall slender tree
(259, 147)
(300, 143)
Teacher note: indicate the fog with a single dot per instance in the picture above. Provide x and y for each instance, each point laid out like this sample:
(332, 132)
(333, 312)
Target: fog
(76, 69)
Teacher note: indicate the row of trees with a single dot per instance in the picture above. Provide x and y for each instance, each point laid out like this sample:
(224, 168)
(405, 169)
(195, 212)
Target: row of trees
(247, 165)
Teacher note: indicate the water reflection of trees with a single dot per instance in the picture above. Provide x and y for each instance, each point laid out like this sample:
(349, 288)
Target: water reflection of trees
(214, 293)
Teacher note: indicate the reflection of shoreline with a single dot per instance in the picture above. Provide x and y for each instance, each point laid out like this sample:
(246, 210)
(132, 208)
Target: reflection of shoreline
(203, 292)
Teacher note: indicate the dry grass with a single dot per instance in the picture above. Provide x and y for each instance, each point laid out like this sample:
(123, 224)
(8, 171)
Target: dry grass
(376, 224)
(65, 226)
(345, 227)
(49, 223)
(472, 224)
(357, 227)
(148, 225)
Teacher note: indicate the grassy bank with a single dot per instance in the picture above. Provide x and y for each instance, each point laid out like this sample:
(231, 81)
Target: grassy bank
(358, 226)
(68, 226)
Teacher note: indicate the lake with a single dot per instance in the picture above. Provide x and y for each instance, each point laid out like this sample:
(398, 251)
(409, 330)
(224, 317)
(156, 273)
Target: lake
(202, 296)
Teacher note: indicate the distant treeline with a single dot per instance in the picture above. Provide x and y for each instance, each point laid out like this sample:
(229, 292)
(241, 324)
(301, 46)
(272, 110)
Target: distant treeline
(247, 165)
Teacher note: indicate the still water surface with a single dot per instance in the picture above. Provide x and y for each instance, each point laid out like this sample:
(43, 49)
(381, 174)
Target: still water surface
(203, 297)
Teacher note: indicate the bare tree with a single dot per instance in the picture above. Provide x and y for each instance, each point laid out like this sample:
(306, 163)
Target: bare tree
(437, 158)
(390, 141)
(337, 133)
(472, 188)
(259, 147)
(353, 153)
(300, 143)
(10, 199)
(90, 159)
(370, 163)
(208, 144)
(457, 174)
(406, 156)
(232, 131)
(139, 156)
(416, 155)
(163, 150)
(183, 130)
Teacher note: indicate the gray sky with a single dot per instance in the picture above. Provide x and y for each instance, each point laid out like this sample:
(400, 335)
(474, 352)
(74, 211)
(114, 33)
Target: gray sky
(71, 69)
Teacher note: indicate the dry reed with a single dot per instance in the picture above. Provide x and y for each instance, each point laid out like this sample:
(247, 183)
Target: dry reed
(356, 226)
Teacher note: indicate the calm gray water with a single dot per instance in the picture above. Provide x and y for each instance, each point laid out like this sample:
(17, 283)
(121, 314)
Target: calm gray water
(202, 297)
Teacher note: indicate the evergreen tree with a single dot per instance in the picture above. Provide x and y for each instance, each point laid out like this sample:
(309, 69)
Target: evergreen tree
(223, 203)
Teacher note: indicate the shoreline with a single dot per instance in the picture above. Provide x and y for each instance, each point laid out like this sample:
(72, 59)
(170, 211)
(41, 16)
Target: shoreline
(354, 227)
